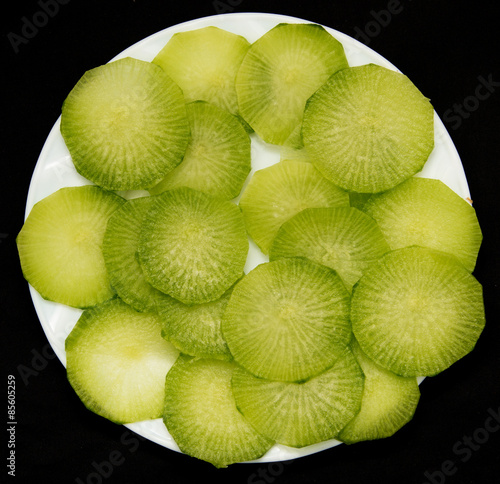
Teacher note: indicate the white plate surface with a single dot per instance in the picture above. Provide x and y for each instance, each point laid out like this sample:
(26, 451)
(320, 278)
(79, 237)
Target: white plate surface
(54, 170)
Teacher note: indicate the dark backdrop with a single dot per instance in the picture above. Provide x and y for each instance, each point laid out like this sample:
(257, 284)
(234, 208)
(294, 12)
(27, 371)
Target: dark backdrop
(446, 47)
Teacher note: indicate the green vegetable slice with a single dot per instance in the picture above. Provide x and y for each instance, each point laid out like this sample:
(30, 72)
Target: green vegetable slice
(368, 128)
(287, 319)
(416, 311)
(389, 402)
(303, 413)
(60, 245)
(125, 125)
(196, 328)
(201, 415)
(116, 361)
(426, 212)
(204, 63)
(193, 246)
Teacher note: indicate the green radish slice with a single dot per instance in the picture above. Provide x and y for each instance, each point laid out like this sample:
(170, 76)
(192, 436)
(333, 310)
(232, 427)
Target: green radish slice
(117, 361)
(389, 402)
(204, 63)
(60, 245)
(201, 415)
(304, 413)
(287, 319)
(125, 125)
(280, 71)
(426, 212)
(280, 191)
(120, 250)
(416, 311)
(196, 328)
(193, 246)
(218, 158)
(342, 238)
(368, 128)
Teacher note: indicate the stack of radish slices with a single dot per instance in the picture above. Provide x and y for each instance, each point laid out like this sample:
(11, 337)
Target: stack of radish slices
(366, 282)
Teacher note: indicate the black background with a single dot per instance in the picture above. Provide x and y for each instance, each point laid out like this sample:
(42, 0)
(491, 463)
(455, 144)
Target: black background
(444, 47)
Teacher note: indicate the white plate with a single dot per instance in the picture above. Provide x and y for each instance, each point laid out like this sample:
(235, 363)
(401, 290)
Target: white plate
(55, 170)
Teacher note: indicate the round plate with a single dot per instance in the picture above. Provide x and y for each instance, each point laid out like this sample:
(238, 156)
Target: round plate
(55, 170)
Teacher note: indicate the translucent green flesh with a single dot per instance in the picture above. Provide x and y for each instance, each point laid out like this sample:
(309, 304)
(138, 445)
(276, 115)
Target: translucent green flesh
(425, 212)
(417, 311)
(192, 246)
(196, 329)
(125, 125)
(204, 63)
(300, 414)
(389, 402)
(287, 319)
(201, 415)
(368, 129)
(60, 244)
(117, 362)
